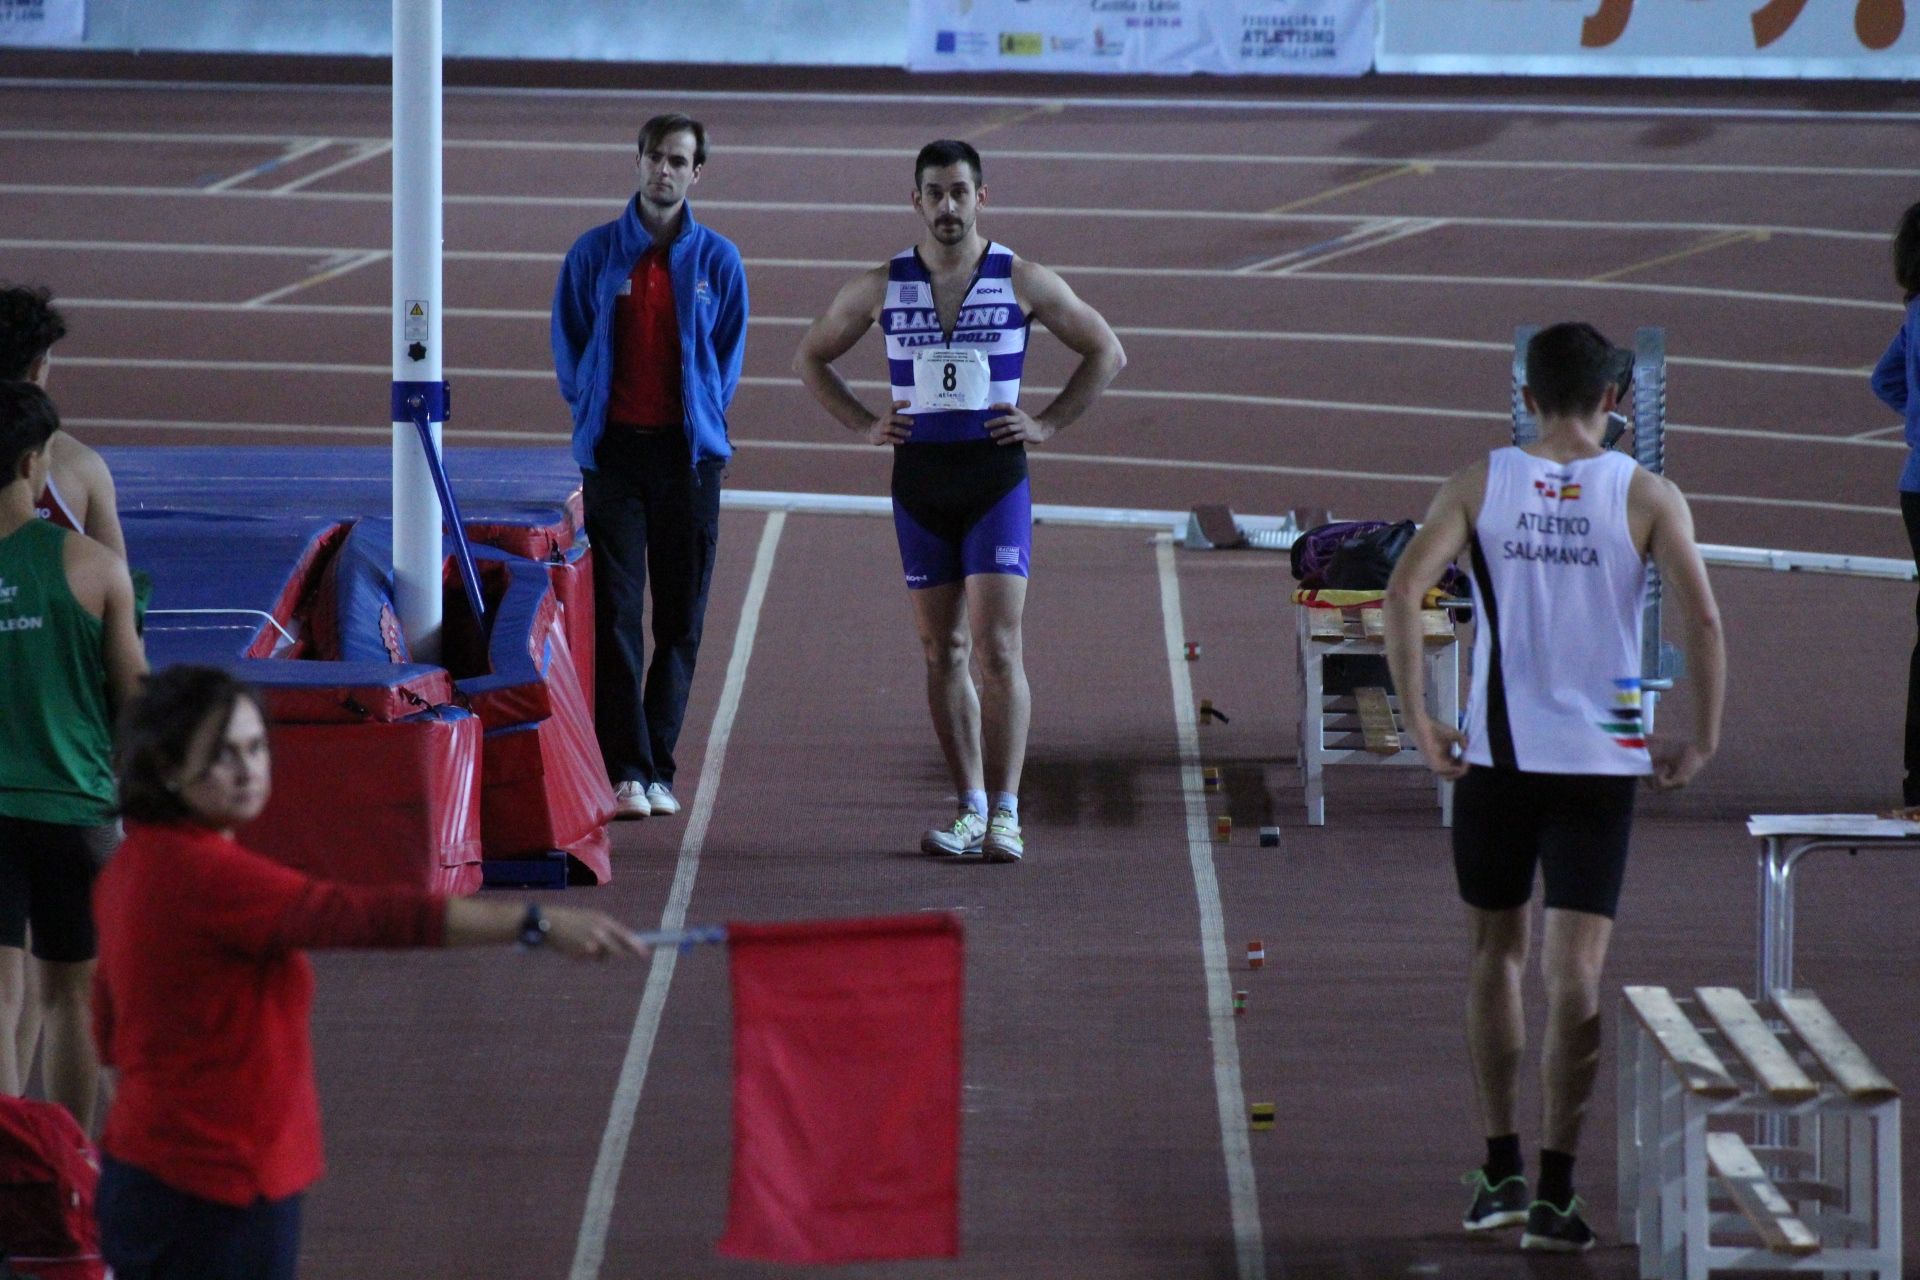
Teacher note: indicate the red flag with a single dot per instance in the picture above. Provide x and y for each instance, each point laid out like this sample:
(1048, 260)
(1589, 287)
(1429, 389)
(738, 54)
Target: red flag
(846, 1090)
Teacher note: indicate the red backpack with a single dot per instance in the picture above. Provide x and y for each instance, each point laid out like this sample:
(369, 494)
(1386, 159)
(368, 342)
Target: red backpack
(48, 1172)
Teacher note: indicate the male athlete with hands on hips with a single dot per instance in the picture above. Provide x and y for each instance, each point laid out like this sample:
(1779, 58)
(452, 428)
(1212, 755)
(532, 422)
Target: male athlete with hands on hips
(955, 311)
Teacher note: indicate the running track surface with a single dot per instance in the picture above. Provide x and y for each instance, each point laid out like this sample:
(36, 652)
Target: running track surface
(1318, 301)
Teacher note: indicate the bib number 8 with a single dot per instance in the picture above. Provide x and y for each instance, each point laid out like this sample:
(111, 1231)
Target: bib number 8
(950, 379)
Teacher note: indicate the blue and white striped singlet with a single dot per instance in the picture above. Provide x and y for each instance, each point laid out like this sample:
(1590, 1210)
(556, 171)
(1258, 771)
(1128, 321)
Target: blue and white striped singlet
(990, 320)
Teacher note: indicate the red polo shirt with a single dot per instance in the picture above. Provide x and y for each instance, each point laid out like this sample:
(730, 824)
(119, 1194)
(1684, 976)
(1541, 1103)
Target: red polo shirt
(646, 348)
(201, 1003)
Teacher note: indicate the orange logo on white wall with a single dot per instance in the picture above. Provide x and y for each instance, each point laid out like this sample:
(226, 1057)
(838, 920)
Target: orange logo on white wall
(1877, 23)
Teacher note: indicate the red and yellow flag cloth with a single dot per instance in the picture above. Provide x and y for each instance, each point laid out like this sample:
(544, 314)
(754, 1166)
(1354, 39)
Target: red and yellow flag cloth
(846, 1090)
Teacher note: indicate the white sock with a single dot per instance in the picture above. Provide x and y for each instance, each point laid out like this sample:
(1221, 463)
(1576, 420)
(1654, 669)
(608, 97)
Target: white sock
(1008, 801)
(974, 800)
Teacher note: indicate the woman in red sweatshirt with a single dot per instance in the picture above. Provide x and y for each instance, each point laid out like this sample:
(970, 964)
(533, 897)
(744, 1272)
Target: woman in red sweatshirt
(202, 993)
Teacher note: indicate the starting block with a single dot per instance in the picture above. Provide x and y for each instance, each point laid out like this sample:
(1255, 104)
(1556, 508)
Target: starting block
(1819, 1188)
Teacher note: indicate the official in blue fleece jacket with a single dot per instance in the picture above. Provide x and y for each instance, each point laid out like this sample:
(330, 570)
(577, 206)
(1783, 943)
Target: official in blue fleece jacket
(649, 331)
(1896, 380)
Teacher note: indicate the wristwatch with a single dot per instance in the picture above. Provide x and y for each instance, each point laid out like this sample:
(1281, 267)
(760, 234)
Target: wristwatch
(534, 927)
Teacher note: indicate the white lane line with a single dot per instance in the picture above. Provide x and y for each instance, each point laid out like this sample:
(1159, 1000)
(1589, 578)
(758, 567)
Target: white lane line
(1364, 233)
(1411, 227)
(1129, 158)
(895, 209)
(1882, 433)
(1141, 330)
(1334, 106)
(1242, 1193)
(363, 153)
(1408, 412)
(558, 438)
(319, 277)
(590, 1249)
(294, 151)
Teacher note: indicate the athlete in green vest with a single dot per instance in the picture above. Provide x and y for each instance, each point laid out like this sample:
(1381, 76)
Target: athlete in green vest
(68, 656)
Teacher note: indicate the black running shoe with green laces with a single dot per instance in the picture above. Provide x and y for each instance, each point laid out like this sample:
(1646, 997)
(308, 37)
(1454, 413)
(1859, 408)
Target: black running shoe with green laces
(1495, 1205)
(1557, 1230)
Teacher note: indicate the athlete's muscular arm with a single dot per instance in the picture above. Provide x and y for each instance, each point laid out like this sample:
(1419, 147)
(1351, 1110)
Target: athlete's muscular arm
(101, 583)
(1046, 297)
(1442, 537)
(852, 313)
(87, 485)
(1683, 578)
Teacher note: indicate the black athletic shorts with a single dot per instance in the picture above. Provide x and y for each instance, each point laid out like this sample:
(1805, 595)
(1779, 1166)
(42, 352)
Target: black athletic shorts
(46, 878)
(1574, 825)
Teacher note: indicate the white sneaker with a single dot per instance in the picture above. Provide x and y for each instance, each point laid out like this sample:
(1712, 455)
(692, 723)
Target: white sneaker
(1002, 842)
(630, 801)
(661, 799)
(963, 836)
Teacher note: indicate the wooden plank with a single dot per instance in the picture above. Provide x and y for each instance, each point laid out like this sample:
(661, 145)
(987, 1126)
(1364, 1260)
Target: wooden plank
(1324, 624)
(1844, 1060)
(1779, 1075)
(1435, 626)
(1376, 721)
(1758, 1200)
(1698, 1067)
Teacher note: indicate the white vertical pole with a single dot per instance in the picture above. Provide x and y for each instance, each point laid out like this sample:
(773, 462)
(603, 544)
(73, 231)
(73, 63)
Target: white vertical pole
(417, 327)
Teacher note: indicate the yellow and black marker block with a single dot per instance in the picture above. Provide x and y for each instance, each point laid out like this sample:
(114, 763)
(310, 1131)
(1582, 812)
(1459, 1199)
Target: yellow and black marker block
(1261, 1115)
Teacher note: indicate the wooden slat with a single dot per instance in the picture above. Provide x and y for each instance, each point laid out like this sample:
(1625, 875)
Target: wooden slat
(1757, 1198)
(1698, 1067)
(1779, 1075)
(1376, 721)
(1844, 1060)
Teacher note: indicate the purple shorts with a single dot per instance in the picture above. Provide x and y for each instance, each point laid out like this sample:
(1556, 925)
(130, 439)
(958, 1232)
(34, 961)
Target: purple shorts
(961, 509)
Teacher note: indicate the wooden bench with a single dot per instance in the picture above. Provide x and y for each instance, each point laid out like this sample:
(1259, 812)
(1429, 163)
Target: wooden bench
(1700, 1199)
(1366, 725)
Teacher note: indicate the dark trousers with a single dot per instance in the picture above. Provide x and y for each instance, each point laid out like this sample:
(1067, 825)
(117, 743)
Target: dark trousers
(1910, 513)
(650, 513)
(149, 1231)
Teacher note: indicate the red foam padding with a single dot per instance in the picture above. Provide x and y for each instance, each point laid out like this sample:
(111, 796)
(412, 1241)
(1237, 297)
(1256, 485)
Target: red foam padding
(352, 704)
(573, 588)
(376, 803)
(545, 787)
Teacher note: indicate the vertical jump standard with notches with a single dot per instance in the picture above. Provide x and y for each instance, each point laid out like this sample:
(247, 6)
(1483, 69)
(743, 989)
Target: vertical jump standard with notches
(1659, 661)
(421, 491)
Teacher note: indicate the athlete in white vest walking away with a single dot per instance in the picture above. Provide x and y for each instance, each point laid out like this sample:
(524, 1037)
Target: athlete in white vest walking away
(955, 311)
(1558, 533)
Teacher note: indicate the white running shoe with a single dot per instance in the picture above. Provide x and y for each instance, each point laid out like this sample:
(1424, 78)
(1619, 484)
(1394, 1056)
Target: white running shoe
(661, 800)
(1002, 842)
(630, 801)
(962, 837)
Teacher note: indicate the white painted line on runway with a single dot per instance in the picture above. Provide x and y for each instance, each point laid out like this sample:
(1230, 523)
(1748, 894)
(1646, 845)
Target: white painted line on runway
(1333, 106)
(1143, 331)
(591, 1246)
(1128, 158)
(1410, 227)
(897, 208)
(1408, 412)
(294, 151)
(319, 277)
(1229, 1094)
(1045, 457)
(363, 153)
(1880, 433)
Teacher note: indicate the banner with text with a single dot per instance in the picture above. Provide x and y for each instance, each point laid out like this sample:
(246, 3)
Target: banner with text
(1167, 37)
(1860, 39)
(42, 23)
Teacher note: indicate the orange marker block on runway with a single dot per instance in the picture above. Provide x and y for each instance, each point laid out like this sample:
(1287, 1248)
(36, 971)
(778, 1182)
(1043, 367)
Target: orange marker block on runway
(1256, 954)
(1223, 828)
